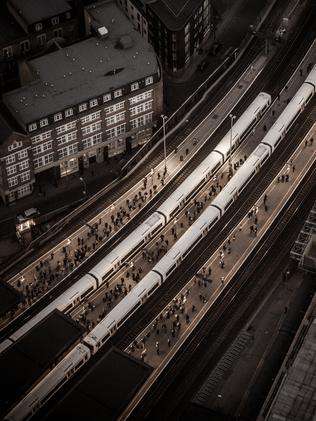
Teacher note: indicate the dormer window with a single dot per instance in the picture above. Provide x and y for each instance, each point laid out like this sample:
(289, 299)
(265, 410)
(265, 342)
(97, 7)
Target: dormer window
(69, 112)
(38, 26)
(134, 86)
(32, 127)
(55, 20)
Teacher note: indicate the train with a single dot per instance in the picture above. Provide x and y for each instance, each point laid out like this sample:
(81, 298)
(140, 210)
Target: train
(102, 272)
(173, 258)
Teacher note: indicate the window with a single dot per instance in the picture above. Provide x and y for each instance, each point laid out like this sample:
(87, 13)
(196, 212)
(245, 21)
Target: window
(90, 117)
(82, 107)
(115, 131)
(43, 160)
(106, 97)
(134, 86)
(93, 140)
(58, 33)
(91, 128)
(38, 26)
(93, 103)
(12, 181)
(58, 117)
(24, 165)
(25, 46)
(141, 121)
(55, 20)
(117, 93)
(41, 40)
(32, 127)
(22, 154)
(23, 190)
(8, 52)
(67, 138)
(42, 148)
(115, 107)
(41, 137)
(149, 80)
(68, 150)
(25, 176)
(10, 159)
(11, 170)
(141, 97)
(14, 145)
(44, 122)
(140, 108)
(66, 127)
(115, 118)
(69, 112)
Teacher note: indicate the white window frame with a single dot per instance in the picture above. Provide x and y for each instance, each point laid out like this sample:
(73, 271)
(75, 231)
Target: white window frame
(25, 176)
(10, 159)
(22, 154)
(38, 26)
(58, 117)
(93, 103)
(24, 165)
(118, 93)
(149, 80)
(134, 86)
(107, 97)
(55, 20)
(44, 122)
(8, 51)
(69, 112)
(83, 107)
(13, 181)
(32, 127)
(11, 170)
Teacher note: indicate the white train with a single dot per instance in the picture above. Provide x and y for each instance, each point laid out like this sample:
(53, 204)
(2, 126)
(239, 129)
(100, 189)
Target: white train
(141, 235)
(145, 288)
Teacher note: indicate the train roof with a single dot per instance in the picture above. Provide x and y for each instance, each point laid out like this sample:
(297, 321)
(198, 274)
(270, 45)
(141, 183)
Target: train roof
(62, 300)
(125, 245)
(311, 78)
(27, 359)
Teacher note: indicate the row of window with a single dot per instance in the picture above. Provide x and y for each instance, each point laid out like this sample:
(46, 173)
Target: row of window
(12, 158)
(141, 121)
(13, 181)
(14, 168)
(93, 103)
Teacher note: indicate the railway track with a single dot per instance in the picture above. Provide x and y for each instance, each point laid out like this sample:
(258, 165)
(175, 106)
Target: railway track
(229, 314)
(124, 185)
(304, 40)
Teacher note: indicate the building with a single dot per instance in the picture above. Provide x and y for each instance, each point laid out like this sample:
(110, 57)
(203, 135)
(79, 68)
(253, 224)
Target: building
(176, 29)
(85, 103)
(32, 27)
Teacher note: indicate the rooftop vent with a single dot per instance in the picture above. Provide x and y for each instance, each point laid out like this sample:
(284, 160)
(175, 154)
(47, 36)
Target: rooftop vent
(114, 71)
(100, 30)
(125, 42)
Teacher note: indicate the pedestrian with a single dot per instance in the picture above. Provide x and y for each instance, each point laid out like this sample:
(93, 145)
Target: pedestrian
(293, 168)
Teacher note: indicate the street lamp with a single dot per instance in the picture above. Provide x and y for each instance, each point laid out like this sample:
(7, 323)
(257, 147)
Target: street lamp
(232, 118)
(84, 185)
(164, 140)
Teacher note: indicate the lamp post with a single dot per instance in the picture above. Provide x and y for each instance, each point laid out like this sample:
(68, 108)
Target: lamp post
(84, 191)
(164, 141)
(232, 118)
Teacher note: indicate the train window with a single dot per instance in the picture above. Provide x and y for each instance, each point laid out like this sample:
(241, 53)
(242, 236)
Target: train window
(134, 250)
(248, 130)
(192, 246)
(107, 274)
(309, 97)
(127, 315)
(153, 289)
(67, 308)
(171, 270)
(216, 167)
(87, 292)
(265, 158)
(52, 391)
(105, 338)
(78, 365)
(228, 204)
(156, 229)
(174, 212)
(247, 181)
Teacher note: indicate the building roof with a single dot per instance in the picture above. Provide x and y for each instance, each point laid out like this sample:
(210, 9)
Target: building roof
(5, 129)
(33, 11)
(105, 391)
(174, 13)
(10, 29)
(25, 361)
(84, 70)
(296, 397)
